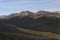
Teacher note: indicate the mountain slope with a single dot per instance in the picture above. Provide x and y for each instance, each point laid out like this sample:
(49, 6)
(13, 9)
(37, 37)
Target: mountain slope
(44, 35)
(41, 21)
(7, 28)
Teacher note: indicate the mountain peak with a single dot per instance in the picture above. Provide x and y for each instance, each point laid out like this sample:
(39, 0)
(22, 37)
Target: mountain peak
(26, 13)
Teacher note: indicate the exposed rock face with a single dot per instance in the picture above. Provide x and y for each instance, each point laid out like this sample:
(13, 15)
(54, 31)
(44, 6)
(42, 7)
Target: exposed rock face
(26, 13)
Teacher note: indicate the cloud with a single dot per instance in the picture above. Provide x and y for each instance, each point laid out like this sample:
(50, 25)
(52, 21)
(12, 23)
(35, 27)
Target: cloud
(9, 6)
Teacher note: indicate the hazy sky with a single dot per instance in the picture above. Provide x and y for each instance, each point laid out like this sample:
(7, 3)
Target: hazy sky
(11, 6)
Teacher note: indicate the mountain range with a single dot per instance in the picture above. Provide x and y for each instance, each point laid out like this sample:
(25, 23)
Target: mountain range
(42, 21)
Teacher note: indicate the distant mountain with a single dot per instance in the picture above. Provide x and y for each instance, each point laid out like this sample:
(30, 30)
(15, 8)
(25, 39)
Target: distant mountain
(31, 25)
(42, 20)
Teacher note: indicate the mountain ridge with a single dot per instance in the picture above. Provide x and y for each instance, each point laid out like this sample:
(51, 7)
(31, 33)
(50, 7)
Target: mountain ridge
(41, 20)
(41, 24)
(32, 14)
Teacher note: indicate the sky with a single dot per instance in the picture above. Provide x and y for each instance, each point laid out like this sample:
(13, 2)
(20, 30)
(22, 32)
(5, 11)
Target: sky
(13, 6)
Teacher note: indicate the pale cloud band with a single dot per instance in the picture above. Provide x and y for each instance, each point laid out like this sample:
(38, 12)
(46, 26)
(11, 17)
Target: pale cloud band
(10, 6)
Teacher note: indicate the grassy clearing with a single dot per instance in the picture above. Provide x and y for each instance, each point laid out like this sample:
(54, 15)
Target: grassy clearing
(44, 34)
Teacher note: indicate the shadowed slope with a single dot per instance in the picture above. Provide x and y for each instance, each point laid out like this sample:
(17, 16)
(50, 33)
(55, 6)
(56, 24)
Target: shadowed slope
(41, 21)
(36, 33)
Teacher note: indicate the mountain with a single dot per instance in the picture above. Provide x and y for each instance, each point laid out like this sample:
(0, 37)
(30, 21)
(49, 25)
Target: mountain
(42, 21)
